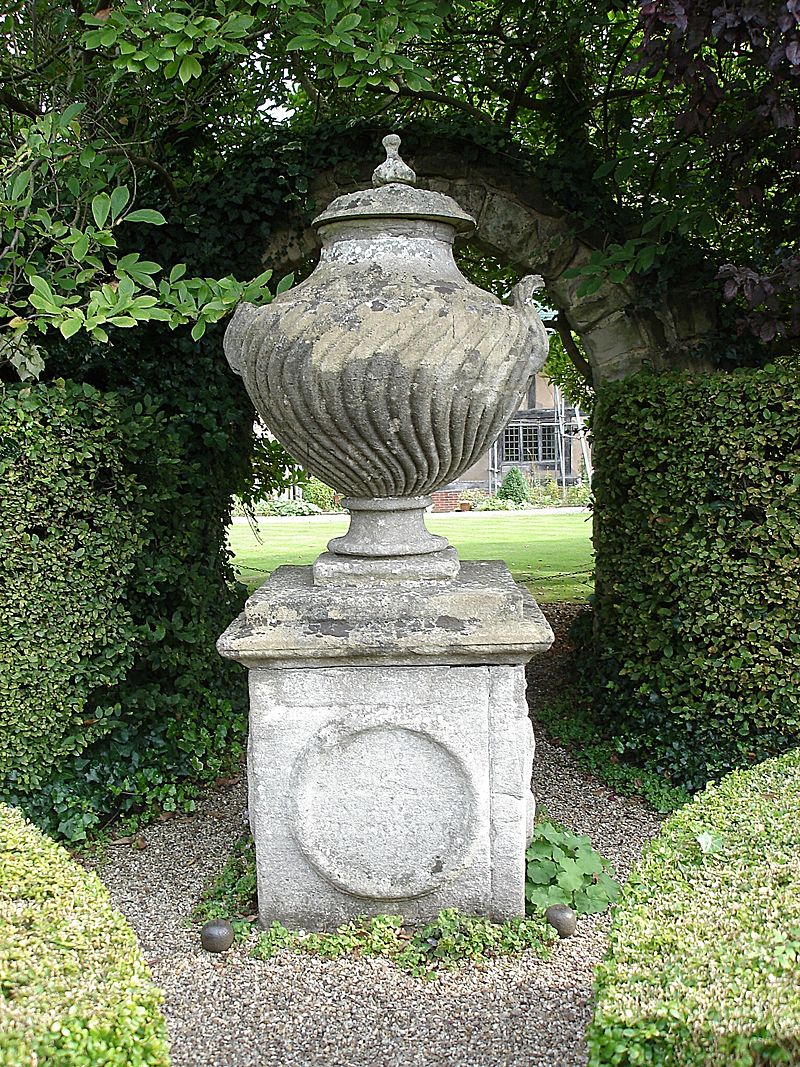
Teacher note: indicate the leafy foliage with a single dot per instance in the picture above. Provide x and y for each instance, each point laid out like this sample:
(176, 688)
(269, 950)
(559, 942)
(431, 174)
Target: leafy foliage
(75, 987)
(563, 868)
(702, 968)
(694, 664)
(569, 722)
(73, 522)
(163, 713)
(450, 939)
(316, 492)
(514, 487)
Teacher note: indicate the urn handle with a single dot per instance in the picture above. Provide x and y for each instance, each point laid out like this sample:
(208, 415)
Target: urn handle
(523, 303)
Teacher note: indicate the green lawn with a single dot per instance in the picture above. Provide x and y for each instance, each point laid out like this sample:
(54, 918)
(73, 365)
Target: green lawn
(551, 554)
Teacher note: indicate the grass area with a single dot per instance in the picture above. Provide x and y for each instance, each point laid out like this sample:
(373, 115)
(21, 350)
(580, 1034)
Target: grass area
(550, 553)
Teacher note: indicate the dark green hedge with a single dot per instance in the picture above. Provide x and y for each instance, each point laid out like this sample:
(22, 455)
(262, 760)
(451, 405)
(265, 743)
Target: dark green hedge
(694, 665)
(74, 988)
(705, 951)
(116, 585)
(71, 525)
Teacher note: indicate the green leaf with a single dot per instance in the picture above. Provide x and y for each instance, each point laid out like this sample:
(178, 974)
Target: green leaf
(146, 214)
(101, 206)
(21, 183)
(349, 22)
(177, 272)
(70, 326)
(285, 283)
(189, 69)
(119, 198)
(198, 330)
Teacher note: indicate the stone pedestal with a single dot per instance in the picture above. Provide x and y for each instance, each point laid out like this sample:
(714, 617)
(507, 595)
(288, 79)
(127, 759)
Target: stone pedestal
(390, 749)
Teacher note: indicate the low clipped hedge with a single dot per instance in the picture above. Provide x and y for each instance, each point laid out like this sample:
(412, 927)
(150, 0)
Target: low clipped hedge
(705, 951)
(693, 665)
(74, 988)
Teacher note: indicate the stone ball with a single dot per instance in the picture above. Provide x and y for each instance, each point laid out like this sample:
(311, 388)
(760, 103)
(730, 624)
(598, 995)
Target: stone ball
(217, 935)
(562, 918)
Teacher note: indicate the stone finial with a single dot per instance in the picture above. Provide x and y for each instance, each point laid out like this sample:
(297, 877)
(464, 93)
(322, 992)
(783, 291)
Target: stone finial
(393, 169)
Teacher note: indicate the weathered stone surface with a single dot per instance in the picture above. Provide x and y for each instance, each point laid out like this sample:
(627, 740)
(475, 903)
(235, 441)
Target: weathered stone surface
(330, 569)
(385, 372)
(480, 617)
(387, 526)
(401, 789)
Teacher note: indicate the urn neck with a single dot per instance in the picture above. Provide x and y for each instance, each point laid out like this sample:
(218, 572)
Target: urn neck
(355, 242)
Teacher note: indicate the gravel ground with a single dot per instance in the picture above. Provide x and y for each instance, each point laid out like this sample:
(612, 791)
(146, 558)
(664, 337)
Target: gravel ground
(231, 1011)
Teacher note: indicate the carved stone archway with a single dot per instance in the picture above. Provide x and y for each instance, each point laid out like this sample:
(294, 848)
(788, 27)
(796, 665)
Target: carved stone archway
(519, 226)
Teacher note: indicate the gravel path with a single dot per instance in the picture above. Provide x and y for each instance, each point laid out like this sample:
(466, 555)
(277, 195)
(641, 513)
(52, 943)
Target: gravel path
(231, 1011)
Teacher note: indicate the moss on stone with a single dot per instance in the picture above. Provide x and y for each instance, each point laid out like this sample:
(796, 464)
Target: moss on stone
(705, 950)
(74, 987)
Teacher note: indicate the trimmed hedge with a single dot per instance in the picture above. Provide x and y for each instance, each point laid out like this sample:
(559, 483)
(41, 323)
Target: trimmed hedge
(116, 584)
(71, 526)
(705, 950)
(74, 988)
(694, 666)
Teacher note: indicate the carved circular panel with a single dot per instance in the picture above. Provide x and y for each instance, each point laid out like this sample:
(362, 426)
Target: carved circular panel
(382, 811)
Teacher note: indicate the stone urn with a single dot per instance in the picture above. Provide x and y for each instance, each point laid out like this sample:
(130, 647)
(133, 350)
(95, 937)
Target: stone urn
(386, 373)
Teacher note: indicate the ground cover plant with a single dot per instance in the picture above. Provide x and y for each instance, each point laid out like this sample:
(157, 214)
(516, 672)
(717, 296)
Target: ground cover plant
(551, 554)
(705, 950)
(562, 868)
(74, 988)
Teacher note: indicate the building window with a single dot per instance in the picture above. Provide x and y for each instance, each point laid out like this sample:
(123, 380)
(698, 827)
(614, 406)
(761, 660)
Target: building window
(547, 444)
(511, 445)
(528, 442)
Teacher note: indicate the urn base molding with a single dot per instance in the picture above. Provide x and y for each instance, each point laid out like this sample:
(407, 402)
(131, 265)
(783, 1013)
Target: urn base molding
(390, 749)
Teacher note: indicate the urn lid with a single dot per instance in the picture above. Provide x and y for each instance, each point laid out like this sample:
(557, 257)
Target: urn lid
(395, 196)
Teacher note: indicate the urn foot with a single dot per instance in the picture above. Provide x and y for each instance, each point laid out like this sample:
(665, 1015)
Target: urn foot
(387, 526)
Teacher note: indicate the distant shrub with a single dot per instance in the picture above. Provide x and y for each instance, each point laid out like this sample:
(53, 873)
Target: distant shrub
(514, 487)
(546, 493)
(579, 495)
(317, 492)
(290, 508)
(702, 968)
(74, 987)
(494, 503)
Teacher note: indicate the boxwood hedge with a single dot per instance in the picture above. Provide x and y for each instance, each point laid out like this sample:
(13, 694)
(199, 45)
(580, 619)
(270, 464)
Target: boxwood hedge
(694, 664)
(116, 583)
(74, 988)
(705, 949)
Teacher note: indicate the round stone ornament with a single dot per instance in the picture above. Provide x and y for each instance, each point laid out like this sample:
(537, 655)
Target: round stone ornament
(382, 812)
(562, 918)
(217, 935)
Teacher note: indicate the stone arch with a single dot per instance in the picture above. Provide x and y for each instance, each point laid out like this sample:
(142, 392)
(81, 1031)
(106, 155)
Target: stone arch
(519, 226)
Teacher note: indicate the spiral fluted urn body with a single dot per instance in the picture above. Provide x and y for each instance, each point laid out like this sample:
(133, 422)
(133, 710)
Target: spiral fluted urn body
(386, 373)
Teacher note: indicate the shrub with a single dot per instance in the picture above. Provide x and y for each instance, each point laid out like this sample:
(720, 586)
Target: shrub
(74, 987)
(514, 487)
(317, 492)
(149, 709)
(494, 503)
(289, 508)
(579, 495)
(546, 494)
(472, 496)
(704, 956)
(695, 661)
(72, 523)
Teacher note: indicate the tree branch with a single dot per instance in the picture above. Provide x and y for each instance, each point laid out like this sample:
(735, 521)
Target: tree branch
(572, 350)
(143, 161)
(14, 103)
